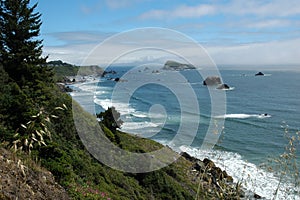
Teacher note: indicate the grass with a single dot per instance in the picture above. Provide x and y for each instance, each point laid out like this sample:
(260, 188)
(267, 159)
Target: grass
(287, 166)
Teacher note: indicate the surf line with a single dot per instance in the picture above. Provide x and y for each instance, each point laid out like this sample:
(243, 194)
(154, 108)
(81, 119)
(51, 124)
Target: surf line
(242, 116)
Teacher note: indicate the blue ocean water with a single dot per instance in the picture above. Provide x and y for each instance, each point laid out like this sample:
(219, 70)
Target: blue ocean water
(275, 94)
(259, 111)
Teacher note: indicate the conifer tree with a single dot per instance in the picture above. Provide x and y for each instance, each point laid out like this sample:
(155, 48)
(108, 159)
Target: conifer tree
(111, 119)
(21, 52)
(1, 35)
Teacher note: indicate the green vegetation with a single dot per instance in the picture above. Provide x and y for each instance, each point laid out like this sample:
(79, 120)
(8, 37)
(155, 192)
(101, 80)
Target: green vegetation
(36, 121)
(20, 52)
(173, 65)
(63, 71)
(111, 119)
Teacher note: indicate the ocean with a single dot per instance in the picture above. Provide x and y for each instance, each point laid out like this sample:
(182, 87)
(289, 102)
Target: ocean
(261, 111)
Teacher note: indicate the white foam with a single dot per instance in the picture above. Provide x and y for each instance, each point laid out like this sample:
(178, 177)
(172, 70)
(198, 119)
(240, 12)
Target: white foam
(90, 85)
(138, 125)
(229, 89)
(87, 87)
(261, 116)
(143, 129)
(100, 92)
(242, 116)
(252, 177)
(80, 94)
(139, 115)
(128, 113)
(122, 108)
(104, 103)
(226, 89)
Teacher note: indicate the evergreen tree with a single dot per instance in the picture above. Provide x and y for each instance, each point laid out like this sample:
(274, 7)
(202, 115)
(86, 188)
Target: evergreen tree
(111, 119)
(1, 35)
(20, 52)
(26, 85)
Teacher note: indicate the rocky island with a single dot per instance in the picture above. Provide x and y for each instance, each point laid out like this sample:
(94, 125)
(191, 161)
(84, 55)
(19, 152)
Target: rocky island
(212, 80)
(176, 66)
(259, 74)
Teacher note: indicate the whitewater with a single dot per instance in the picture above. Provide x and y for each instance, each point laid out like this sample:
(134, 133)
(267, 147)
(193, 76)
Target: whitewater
(241, 159)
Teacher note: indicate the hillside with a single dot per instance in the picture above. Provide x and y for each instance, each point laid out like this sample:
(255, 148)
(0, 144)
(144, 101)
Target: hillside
(64, 71)
(82, 176)
(21, 178)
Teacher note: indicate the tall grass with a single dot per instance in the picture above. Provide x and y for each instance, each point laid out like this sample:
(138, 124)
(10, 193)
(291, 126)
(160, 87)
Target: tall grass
(287, 166)
(33, 133)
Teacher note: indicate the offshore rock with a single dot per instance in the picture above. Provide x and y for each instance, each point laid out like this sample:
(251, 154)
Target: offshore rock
(173, 65)
(212, 80)
(259, 74)
(223, 87)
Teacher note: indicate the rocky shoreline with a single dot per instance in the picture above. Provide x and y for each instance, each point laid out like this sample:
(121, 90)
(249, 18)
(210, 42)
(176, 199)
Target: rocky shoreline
(214, 178)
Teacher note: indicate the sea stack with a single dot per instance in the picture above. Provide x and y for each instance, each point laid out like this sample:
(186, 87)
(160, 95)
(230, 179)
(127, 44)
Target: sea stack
(212, 80)
(223, 87)
(259, 74)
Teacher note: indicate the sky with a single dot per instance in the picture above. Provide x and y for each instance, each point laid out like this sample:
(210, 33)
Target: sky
(232, 32)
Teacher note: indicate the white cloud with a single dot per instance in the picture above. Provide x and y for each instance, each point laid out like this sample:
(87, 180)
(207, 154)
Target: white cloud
(182, 11)
(132, 46)
(261, 23)
(73, 54)
(154, 14)
(117, 4)
(268, 53)
(80, 36)
(277, 8)
(269, 23)
(191, 11)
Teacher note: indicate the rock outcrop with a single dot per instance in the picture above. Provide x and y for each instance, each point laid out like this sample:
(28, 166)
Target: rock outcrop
(223, 87)
(209, 168)
(214, 177)
(212, 80)
(259, 74)
(108, 72)
(64, 88)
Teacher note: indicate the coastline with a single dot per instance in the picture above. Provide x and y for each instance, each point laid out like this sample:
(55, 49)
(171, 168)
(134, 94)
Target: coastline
(256, 176)
(206, 166)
